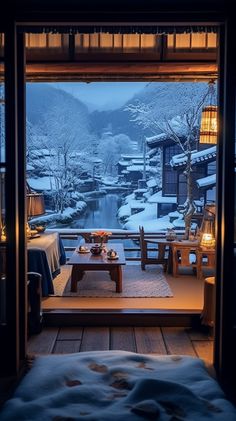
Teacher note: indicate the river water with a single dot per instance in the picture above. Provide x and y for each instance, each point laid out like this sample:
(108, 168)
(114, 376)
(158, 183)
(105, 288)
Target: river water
(100, 213)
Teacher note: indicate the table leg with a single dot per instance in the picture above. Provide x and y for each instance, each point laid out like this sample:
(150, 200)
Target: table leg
(76, 275)
(116, 276)
(112, 274)
(118, 279)
(169, 268)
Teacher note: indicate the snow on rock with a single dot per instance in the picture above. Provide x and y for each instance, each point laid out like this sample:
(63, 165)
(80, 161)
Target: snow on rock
(147, 218)
(179, 223)
(174, 214)
(124, 211)
(152, 183)
(65, 217)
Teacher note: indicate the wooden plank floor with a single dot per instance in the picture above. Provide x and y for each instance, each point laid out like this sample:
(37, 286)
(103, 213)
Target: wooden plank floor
(146, 340)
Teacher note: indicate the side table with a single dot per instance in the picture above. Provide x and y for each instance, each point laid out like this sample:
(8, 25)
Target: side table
(208, 312)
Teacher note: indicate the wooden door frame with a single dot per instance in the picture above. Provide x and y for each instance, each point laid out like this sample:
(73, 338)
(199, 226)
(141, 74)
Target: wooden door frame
(225, 331)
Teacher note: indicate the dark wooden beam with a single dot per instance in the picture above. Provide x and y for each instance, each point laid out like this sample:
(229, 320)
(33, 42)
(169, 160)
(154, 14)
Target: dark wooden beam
(120, 71)
(225, 335)
(21, 119)
(10, 361)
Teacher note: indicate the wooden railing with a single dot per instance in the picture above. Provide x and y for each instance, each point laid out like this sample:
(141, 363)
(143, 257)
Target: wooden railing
(80, 235)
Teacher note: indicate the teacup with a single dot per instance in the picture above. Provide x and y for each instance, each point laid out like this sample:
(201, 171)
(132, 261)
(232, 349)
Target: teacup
(112, 253)
(83, 248)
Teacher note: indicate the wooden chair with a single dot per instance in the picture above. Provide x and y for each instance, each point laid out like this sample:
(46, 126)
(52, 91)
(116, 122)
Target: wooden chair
(183, 255)
(161, 250)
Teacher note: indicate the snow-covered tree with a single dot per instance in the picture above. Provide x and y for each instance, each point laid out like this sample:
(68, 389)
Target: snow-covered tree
(180, 121)
(58, 149)
(110, 149)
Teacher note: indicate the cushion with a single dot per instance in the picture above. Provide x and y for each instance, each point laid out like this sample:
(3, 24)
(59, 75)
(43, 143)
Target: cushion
(118, 385)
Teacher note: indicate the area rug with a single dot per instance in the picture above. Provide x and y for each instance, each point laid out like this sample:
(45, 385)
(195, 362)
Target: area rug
(136, 283)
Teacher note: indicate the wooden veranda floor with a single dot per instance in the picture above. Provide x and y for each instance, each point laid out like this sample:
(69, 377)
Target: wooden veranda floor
(187, 295)
(146, 340)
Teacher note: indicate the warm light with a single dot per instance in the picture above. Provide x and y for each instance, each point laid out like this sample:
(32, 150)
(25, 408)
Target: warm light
(207, 240)
(3, 236)
(208, 129)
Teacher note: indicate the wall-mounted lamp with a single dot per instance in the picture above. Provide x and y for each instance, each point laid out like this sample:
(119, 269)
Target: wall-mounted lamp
(208, 128)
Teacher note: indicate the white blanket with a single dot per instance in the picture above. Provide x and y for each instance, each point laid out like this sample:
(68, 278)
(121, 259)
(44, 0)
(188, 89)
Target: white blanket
(118, 385)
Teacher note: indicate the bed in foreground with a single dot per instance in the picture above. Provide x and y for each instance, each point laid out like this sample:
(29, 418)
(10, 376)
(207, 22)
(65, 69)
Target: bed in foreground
(118, 385)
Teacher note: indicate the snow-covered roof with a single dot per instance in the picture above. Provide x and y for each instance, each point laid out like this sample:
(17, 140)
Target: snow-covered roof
(140, 190)
(139, 156)
(158, 198)
(153, 140)
(95, 160)
(137, 161)
(196, 156)
(137, 168)
(43, 152)
(124, 163)
(209, 181)
(42, 183)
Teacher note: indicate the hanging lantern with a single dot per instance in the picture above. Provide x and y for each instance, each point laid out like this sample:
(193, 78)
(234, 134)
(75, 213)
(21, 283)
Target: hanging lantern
(208, 128)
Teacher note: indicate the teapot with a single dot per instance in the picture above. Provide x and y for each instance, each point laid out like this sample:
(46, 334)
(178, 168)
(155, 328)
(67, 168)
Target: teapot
(170, 234)
(96, 249)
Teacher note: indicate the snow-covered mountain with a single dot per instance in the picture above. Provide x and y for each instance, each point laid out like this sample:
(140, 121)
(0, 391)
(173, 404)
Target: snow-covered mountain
(45, 105)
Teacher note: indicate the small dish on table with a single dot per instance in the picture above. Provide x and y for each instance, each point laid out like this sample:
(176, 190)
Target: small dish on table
(113, 258)
(83, 249)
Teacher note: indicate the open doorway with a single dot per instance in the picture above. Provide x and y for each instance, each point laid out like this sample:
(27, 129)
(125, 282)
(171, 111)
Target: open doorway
(114, 163)
(142, 154)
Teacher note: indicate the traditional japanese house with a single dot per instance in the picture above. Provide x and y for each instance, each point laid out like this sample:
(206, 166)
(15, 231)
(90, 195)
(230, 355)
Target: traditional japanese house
(203, 174)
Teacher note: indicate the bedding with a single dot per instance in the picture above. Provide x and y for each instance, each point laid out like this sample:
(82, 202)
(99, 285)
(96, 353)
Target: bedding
(115, 386)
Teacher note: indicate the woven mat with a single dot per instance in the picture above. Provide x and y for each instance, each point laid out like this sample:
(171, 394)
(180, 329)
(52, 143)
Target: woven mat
(136, 283)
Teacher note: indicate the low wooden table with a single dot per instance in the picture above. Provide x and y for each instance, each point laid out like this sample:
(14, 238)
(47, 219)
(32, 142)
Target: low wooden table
(83, 262)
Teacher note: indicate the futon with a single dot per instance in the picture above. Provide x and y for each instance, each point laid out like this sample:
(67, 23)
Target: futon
(118, 385)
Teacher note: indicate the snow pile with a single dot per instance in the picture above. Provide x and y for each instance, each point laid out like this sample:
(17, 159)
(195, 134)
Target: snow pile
(158, 198)
(64, 218)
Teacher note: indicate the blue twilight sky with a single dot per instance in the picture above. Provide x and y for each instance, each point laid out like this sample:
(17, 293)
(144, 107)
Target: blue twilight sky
(102, 95)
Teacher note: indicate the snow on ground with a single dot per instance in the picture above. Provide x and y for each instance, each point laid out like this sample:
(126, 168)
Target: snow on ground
(147, 218)
(64, 217)
(158, 198)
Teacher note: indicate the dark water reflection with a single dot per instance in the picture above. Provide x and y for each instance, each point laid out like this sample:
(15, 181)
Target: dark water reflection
(100, 213)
